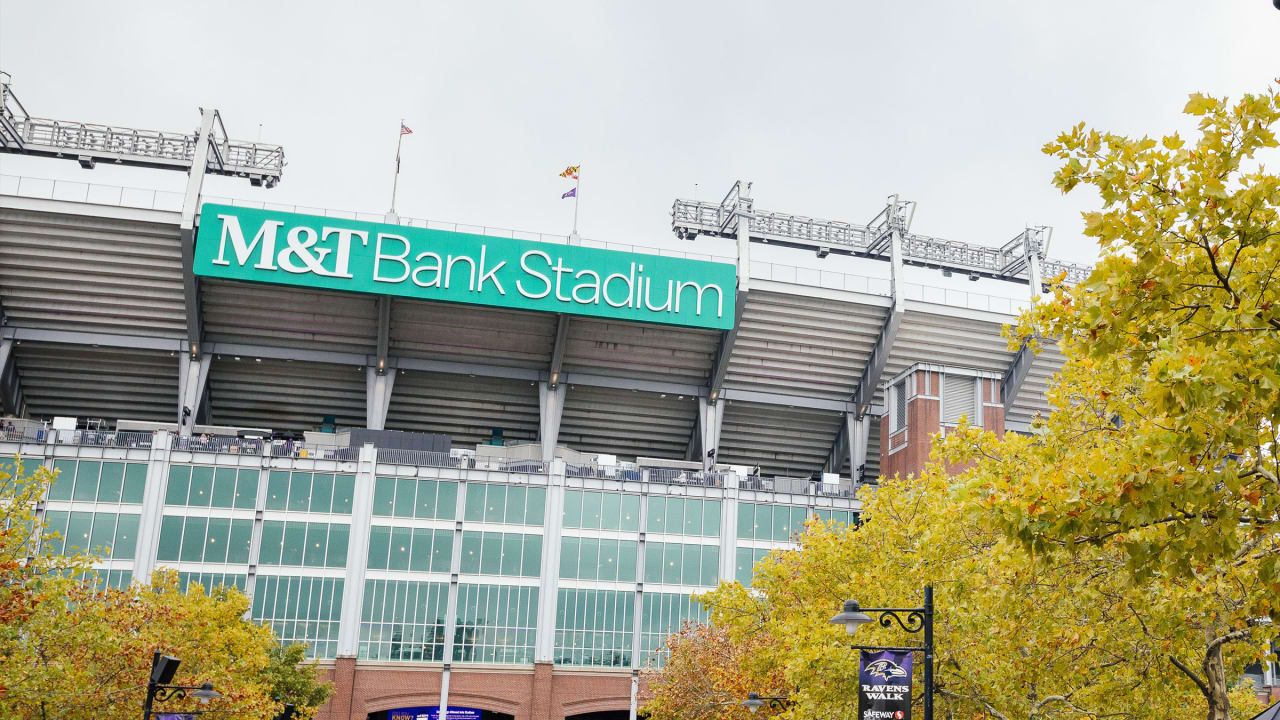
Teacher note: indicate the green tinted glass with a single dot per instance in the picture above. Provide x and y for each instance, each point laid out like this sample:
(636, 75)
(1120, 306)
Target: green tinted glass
(170, 538)
(87, 481)
(246, 489)
(201, 486)
(112, 482)
(135, 483)
(277, 490)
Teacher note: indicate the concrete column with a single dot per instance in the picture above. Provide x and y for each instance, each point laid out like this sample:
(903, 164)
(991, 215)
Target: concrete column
(357, 552)
(729, 528)
(451, 605)
(193, 378)
(549, 581)
(255, 539)
(144, 560)
(378, 388)
(636, 621)
(710, 413)
(858, 433)
(551, 407)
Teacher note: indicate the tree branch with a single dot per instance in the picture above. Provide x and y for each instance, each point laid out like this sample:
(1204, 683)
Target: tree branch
(1204, 689)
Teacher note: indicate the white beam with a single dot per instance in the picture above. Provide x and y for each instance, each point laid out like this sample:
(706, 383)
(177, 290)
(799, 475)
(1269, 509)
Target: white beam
(551, 409)
(193, 381)
(378, 387)
(557, 350)
(710, 413)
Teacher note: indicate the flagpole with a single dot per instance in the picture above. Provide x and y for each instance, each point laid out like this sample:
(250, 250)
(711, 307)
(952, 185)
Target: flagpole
(577, 182)
(395, 182)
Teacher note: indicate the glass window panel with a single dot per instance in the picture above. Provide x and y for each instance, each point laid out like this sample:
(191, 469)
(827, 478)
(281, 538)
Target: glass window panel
(608, 560)
(299, 491)
(295, 539)
(746, 520)
(573, 508)
(246, 490)
(627, 560)
(104, 534)
(589, 559)
(674, 520)
(201, 486)
(471, 544)
(657, 514)
(65, 481)
(442, 551)
(339, 537)
(170, 538)
(671, 563)
(690, 564)
(447, 500)
(798, 515)
(55, 521)
(87, 481)
(112, 482)
(512, 555)
(653, 562)
(278, 490)
(420, 554)
(475, 503)
(630, 513)
(272, 542)
(495, 504)
(125, 544)
(215, 545)
(135, 482)
(238, 542)
(536, 506)
(321, 493)
(569, 557)
(343, 489)
(491, 554)
(223, 489)
(406, 489)
(743, 571)
(710, 564)
(379, 546)
(763, 522)
(317, 543)
(531, 565)
(711, 518)
(518, 506)
(193, 539)
(426, 507)
(591, 509)
(781, 523)
(692, 516)
(610, 505)
(401, 540)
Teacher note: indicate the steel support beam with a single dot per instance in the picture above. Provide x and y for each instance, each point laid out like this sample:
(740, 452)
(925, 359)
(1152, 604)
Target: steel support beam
(710, 414)
(551, 409)
(9, 384)
(1020, 366)
(384, 332)
(557, 351)
(378, 387)
(187, 229)
(193, 382)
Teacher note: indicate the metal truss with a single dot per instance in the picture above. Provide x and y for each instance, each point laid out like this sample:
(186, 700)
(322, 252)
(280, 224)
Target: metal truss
(90, 143)
(690, 218)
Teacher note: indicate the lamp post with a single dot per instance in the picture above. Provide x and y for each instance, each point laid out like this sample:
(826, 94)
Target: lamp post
(755, 701)
(911, 620)
(163, 668)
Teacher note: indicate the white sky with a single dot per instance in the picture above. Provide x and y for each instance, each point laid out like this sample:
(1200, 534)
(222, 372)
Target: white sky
(826, 107)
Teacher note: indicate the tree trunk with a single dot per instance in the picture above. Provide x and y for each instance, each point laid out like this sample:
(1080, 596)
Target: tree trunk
(1215, 677)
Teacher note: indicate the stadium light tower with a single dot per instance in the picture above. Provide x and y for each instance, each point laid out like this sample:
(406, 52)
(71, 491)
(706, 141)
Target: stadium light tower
(208, 150)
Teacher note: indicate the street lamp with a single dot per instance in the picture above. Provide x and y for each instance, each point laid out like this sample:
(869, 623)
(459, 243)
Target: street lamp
(910, 620)
(754, 702)
(163, 668)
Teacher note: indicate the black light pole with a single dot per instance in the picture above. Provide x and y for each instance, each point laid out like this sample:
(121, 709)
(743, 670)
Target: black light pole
(163, 668)
(755, 701)
(911, 620)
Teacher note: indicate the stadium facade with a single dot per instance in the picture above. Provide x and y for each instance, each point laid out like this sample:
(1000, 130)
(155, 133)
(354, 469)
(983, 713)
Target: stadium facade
(462, 469)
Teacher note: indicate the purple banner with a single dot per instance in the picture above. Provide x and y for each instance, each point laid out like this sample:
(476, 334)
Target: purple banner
(884, 685)
(432, 712)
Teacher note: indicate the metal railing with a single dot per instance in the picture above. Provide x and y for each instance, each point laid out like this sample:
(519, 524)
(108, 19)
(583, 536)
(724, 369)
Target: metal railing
(422, 458)
(675, 476)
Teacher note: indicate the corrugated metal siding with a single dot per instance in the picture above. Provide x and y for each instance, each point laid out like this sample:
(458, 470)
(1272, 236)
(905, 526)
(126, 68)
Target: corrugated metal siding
(639, 350)
(455, 332)
(801, 345)
(627, 424)
(242, 312)
(283, 395)
(93, 274)
(781, 440)
(466, 409)
(98, 382)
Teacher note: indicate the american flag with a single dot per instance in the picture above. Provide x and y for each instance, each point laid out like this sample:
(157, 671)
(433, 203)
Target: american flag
(404, 129)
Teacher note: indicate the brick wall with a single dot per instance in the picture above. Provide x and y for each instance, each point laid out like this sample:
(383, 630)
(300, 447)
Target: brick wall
(906, 452)
(543, 692)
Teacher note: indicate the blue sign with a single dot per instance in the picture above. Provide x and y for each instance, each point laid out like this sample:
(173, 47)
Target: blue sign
(432, 712)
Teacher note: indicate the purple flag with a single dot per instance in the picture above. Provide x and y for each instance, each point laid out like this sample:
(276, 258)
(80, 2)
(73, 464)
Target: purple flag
(571, 194)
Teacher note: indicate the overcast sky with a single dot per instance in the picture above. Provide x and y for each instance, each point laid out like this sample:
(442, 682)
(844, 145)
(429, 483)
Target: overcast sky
(826, 107)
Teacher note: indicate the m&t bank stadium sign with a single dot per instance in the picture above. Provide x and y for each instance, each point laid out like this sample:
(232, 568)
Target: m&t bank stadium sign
(333, 254)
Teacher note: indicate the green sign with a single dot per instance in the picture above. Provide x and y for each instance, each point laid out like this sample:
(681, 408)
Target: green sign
(238, 243)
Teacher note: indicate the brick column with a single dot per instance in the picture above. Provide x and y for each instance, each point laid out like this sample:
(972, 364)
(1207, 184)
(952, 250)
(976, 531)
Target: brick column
(343, 676)
(542, 695)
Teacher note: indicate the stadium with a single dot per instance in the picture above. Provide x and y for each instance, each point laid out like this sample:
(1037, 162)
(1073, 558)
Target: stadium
(465, 487)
